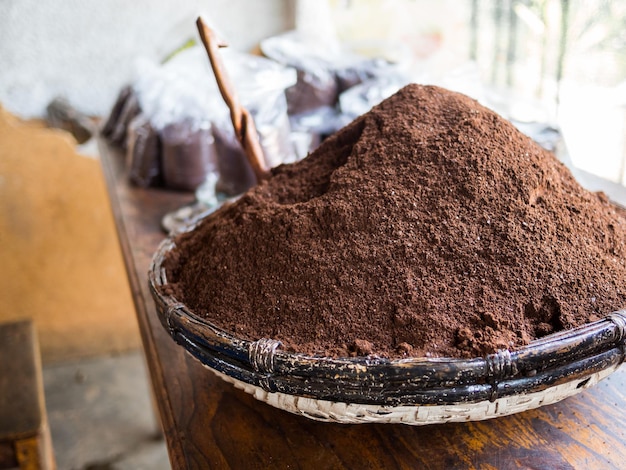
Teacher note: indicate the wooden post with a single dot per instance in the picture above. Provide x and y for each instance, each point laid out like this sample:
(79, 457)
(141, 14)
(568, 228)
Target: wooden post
(24, 433)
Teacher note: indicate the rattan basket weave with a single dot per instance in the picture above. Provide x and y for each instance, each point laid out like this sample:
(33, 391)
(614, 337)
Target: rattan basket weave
(418, 390)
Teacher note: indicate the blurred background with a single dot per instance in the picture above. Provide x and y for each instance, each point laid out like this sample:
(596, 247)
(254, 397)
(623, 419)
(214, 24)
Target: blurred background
(135, 71)
(560, 61)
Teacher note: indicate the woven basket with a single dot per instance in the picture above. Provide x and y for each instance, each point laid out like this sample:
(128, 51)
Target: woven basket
(418, 390)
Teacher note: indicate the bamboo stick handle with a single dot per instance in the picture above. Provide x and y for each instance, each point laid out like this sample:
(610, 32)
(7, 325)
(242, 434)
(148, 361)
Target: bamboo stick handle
(245, 130)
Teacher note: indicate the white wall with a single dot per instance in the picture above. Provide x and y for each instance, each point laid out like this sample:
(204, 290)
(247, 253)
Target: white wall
(85, 49)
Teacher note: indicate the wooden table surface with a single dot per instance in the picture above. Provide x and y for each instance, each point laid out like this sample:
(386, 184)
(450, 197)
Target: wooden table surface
(209, 424)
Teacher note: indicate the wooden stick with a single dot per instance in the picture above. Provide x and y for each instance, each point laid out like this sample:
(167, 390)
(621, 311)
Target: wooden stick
(245, 130)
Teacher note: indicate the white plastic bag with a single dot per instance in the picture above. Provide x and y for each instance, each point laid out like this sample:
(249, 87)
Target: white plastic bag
(182, 97)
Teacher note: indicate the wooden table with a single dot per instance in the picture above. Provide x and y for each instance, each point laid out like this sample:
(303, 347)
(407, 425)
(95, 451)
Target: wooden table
(209, 424)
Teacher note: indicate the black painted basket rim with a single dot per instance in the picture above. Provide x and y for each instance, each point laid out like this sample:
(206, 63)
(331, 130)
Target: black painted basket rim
(552, 360)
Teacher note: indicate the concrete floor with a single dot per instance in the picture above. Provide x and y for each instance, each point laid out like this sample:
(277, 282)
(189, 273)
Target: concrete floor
(101, 416)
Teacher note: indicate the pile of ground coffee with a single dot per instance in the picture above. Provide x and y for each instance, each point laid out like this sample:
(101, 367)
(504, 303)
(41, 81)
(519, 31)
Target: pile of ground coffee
(429, 226)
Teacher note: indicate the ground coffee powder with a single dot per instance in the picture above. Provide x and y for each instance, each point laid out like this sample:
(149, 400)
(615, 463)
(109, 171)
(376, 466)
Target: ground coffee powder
(429, 226)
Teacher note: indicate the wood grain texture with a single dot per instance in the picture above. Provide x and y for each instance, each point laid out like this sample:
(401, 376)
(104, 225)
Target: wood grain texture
(210, 424)
(24, 431)
(22, 408)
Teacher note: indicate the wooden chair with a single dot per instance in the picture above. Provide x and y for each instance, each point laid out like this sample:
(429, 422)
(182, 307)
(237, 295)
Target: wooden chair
(24, 433)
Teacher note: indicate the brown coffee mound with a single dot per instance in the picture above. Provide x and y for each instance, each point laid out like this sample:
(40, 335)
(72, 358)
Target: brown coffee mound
(429, 226)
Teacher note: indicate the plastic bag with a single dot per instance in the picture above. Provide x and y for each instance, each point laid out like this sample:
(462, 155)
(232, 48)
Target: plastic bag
(273, 128)
(309, 129)
(114, 116)
(360, 99)
(316, 85)
(359, 70)
(325, 69)
(178, 115)
(182, 96)
(189, 155)
(235, 173)
(129, 107)
(260, 85)
(144, 153)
